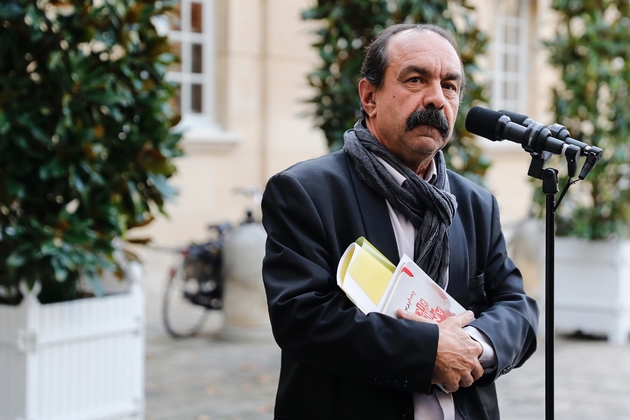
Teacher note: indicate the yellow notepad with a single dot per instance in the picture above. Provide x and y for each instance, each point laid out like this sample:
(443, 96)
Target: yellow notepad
(365, 272)
(371, 273)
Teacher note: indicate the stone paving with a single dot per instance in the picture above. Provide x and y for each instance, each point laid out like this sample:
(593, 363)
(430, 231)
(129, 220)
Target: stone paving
(213, 378)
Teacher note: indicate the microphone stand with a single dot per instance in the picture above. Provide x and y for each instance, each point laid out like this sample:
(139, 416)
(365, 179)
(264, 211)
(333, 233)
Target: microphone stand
(549, 177)
(550, 188)
(540, 141)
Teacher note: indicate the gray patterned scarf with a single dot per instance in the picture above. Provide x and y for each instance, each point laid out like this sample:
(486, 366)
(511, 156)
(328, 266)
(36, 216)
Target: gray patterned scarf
(429, 207)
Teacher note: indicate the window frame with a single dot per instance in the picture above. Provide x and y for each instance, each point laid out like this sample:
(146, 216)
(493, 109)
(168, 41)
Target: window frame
(502, 50)
(198, 128)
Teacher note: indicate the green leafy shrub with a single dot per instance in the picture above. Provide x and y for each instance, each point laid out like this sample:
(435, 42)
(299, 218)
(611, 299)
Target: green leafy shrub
(592, 51)
(347, 27)
(85, 140)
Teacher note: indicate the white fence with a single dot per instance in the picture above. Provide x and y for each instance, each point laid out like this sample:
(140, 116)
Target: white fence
(80, 360)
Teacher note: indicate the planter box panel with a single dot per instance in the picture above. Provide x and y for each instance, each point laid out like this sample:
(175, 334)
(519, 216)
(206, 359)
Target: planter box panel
(592, 287)
(80, 360)
(12, 370)
(80, 319)
(93, 374)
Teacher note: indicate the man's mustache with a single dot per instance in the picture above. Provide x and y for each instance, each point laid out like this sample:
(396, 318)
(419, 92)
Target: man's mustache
(431, 117)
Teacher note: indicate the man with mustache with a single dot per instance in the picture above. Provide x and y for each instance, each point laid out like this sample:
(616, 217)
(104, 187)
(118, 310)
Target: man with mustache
(390, 185)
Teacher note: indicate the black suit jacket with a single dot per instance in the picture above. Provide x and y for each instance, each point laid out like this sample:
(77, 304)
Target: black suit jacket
(338, 363)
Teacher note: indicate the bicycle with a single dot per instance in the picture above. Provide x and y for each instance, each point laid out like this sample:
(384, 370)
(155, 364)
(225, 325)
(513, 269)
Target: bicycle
(195, 283)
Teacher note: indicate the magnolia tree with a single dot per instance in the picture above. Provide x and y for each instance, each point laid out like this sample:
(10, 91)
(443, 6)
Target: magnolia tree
(85, 140)
(592, 52)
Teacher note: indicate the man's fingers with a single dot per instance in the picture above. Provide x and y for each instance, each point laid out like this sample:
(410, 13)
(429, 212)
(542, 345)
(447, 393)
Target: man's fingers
(451, 387)
(466, 381)
(464, 318)
(456, 365)
(477, 372)
(460, 320)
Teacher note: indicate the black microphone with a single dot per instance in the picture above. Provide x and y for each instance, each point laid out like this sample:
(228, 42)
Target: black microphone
(535, 138)
(517, 118)
(558, 131)
(593, 154)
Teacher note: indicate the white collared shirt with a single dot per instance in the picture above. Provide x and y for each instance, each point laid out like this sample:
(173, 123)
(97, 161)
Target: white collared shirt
(439, 405)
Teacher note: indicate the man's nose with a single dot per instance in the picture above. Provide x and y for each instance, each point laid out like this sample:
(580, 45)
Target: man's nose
(433, 96)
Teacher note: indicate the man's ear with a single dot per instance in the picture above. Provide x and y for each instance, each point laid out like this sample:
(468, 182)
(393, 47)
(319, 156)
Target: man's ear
(367, 93)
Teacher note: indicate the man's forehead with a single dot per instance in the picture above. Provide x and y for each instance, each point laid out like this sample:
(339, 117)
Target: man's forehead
(420, 39)
(404, 45)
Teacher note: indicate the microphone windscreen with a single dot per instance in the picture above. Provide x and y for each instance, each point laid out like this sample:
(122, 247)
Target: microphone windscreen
(516, 118)
(482, 122)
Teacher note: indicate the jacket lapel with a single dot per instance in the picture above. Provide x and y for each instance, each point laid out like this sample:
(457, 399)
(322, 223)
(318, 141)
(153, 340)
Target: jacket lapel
(458, 266)
(375, 217)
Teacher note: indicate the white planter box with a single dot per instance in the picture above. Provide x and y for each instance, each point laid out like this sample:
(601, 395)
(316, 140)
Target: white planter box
(592, 287)
(78, 360)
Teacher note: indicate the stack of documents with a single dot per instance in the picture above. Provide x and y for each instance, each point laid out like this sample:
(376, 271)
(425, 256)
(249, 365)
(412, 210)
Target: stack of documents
(374, 284)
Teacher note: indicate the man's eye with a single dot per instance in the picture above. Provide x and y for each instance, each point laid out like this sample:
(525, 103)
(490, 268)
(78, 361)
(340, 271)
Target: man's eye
(414, 80)
(450, 86)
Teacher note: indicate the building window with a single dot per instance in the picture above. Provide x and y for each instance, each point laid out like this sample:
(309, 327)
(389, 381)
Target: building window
(190, 37)
(191, 30)
(510, 61)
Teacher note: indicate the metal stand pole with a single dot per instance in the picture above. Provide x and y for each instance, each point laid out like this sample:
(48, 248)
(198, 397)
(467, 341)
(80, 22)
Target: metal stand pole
(538, 136)
(550, 188)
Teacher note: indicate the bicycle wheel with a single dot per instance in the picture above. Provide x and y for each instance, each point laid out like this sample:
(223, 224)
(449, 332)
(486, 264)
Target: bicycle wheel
(180, 316)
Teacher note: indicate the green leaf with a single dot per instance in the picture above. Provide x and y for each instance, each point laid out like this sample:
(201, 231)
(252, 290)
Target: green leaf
(167, 191)
(5, 125)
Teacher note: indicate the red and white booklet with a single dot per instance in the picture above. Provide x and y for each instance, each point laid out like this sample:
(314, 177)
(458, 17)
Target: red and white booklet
(374, 284)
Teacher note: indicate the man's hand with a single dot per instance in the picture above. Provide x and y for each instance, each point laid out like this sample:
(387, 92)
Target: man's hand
(457, 361)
